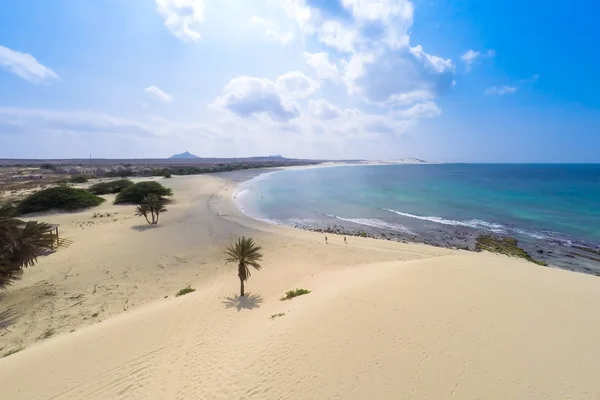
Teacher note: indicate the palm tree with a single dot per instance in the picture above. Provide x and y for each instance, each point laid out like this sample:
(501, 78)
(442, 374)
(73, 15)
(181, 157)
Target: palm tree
(143, 210)
(246, 253)
(152, 205)
(20, 244)
(156, 205)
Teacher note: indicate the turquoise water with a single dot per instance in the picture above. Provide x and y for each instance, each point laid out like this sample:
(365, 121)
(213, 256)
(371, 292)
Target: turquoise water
(554, 203)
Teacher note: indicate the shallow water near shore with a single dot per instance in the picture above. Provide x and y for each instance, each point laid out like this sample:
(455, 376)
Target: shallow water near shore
(552, 209)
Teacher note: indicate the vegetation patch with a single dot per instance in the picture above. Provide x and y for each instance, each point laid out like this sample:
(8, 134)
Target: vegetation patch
(505, 245)
(185, 290)
(78, 179)
(136, 193)
(281, 314)
(110, 187)
(59, 198)
(294, 293)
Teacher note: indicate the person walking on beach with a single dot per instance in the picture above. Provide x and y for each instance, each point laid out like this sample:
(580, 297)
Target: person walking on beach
(345, 240)
(326, 240)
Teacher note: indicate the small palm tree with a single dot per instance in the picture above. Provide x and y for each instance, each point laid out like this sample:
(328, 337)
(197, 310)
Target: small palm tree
(20, 244)
(245, 253)
(142, 211)
(156, 205)
(153, 206)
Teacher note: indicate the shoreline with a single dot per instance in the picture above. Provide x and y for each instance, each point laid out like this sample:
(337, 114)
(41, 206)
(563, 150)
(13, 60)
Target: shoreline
(575, 256)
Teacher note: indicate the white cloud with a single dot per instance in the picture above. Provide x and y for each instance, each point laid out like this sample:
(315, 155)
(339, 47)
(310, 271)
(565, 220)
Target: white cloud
(181, 16)
(380, 65)
(410, 97)
(159, 95)
(320, 62)
(502, 90)
(373, 10)
(271, 30)
(420, 110)
(296, 85)
(510, 89)
(471, 56)
(247, 97)
(25, 66)
(436, 63)
(78, 122)
(321, 109)
(337, 36)
(305, 16)
(391, 76)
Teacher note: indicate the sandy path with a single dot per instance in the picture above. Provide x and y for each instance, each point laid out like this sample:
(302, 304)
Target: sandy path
(385, 320)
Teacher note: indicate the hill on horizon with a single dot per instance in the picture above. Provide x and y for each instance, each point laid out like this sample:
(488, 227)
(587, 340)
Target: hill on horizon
(186, 154)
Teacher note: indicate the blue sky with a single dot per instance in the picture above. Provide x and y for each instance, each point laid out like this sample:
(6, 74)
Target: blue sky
(465, 81)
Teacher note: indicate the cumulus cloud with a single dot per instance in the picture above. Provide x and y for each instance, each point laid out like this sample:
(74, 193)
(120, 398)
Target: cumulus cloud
(247, 97)
(321, 109)
(336, 35)
(437, 64)
(391, 76)
(158, 94)
(471, 56)
(25, 66)
(502, 90)
(373, 10)
(181, 17)
(271, 30)
(323, 67)
(379, 64)
(420, 110)
(295, 84)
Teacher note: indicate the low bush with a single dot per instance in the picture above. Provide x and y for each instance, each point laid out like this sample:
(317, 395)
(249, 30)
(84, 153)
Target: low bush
(136, 193)
(78, 179)
(59, 198)
(110, 187)
(185, 290)
(294, 293)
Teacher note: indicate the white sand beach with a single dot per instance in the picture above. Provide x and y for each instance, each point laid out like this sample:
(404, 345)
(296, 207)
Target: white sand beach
(98, 319)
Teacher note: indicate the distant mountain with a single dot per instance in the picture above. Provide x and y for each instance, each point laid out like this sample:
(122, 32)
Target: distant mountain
(187, 154)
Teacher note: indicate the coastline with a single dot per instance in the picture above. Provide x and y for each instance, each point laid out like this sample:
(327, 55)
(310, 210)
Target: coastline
(576, 256)
(384, 319)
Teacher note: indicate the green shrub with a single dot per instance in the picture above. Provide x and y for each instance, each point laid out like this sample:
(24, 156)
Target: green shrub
(185, 290)
(48, 166)
(294, 293)
(136, 193)
(110, 187)
(59, 198)
(504, 245)
(78, 179)
(168, 175)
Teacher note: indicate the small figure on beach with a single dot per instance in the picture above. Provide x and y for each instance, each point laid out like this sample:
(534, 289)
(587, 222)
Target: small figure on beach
(326, 240)
(345, 240)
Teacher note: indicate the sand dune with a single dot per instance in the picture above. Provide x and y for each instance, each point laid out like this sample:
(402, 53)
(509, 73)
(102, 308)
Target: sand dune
(384, 320)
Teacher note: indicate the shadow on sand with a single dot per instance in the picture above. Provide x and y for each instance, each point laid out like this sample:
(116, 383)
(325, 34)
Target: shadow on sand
(7, 318)
(147, 227)
(248, 302)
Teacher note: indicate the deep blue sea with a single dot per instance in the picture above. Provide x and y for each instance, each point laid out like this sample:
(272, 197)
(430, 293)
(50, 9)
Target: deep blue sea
(544, 206)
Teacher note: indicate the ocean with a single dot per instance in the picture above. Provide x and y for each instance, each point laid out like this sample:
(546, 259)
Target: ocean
(553, 210)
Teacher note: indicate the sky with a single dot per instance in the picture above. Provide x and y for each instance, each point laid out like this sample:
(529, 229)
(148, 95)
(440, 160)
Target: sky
(445, 81)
